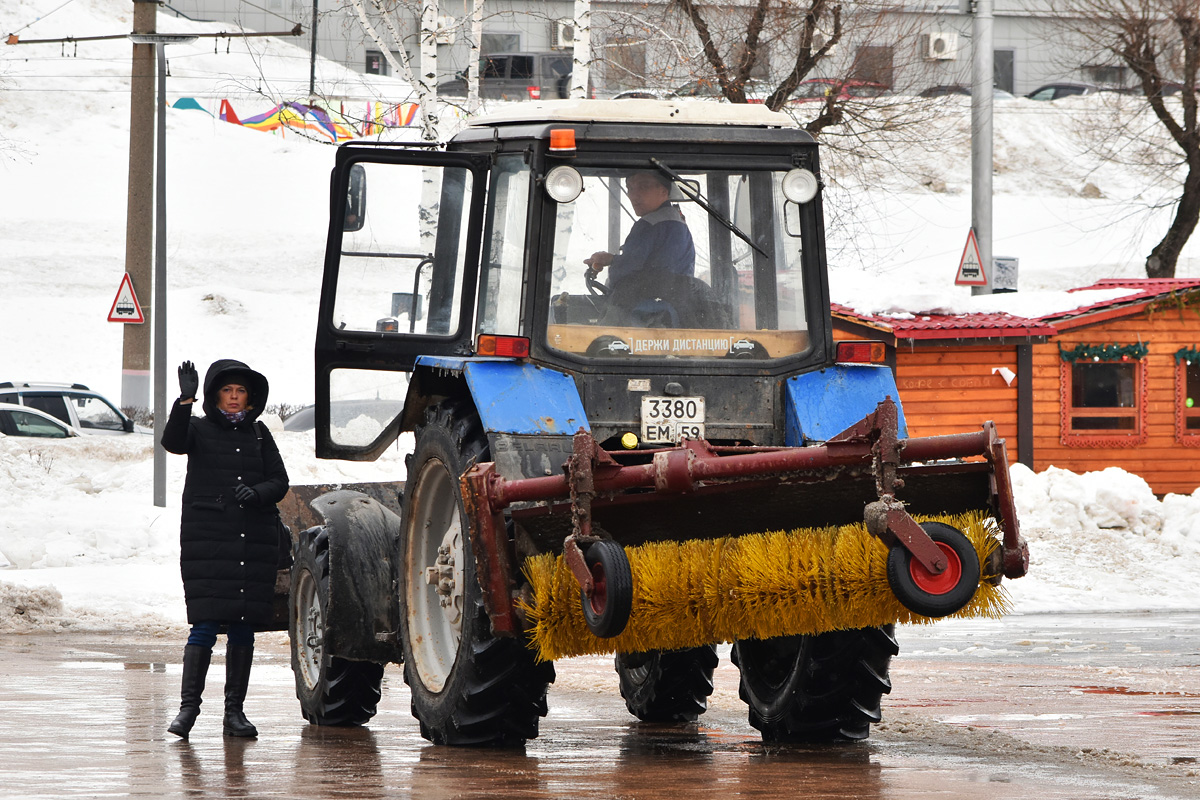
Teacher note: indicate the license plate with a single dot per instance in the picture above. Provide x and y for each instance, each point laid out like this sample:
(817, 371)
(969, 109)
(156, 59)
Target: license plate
(667, 420)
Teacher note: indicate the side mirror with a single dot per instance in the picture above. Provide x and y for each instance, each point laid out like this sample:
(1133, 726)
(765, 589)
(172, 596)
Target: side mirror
(127, 425)
(356, 199)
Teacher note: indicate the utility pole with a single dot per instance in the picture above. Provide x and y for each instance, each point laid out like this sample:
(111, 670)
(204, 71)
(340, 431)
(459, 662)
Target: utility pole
(981, 138)
(139, 215)
(312, 61)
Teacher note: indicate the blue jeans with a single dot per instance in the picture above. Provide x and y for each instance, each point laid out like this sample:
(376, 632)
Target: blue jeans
(204, 634)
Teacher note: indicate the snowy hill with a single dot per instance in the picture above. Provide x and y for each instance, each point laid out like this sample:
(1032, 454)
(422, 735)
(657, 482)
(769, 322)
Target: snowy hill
(246, 218)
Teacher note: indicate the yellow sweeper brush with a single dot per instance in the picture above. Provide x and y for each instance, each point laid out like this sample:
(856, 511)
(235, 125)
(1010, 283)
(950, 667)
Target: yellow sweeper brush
(761, 585)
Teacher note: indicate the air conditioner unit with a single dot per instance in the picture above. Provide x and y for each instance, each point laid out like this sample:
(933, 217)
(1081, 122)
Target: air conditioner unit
(941, 46)
(562, 34)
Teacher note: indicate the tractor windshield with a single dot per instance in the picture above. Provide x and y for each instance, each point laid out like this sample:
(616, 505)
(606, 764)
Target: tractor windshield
(680, 263)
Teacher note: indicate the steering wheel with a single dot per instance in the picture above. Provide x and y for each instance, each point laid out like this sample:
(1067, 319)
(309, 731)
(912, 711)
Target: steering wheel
(594, 286)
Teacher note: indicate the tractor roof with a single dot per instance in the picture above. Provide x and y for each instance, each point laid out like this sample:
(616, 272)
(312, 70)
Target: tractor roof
(675, 112)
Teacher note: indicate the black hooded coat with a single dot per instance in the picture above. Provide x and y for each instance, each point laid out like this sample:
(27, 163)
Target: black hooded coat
(228, 551)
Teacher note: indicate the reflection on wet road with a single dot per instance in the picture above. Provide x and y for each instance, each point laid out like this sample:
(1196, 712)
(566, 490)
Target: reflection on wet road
(1053, 707)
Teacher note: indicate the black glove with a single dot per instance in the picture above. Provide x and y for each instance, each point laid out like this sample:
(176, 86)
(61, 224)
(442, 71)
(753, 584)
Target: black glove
(189, 381)
(245, 494)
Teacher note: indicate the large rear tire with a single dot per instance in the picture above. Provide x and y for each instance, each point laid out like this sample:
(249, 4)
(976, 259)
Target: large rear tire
(822, 688)
(469, 687)
(332, 691)
(667, 686)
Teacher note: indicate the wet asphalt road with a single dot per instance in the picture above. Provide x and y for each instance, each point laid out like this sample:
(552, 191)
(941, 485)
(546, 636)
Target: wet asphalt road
(1054, 706)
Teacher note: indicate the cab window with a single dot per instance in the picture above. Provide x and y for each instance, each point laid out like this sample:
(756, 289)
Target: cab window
(401, 270)
(704, 265)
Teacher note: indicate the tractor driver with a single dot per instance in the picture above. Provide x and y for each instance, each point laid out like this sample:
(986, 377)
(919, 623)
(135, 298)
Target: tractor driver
(659, 240)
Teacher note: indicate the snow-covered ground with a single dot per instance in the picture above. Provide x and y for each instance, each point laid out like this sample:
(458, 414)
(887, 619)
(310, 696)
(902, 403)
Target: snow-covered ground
(86, 547)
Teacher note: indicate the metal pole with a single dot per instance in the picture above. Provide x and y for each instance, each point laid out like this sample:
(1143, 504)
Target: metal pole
(312, 61)
(160, 286)
(981, 139)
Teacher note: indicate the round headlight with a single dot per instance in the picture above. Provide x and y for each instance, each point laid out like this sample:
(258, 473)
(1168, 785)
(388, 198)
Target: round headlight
(800, 185)
(564, 184)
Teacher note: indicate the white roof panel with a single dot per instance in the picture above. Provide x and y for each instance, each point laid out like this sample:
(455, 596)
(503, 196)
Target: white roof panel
(693, 112)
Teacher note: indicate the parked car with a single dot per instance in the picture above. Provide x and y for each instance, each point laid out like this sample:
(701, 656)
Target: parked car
(18, 420)
(518, 76)
(1054, 91)
(643, 94)
(821, 88)
(959, 89)
(76, 405)
(343, 412)
(756, 90)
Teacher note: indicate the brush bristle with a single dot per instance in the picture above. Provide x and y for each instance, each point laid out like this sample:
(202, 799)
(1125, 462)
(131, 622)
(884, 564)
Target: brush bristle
(687, 594)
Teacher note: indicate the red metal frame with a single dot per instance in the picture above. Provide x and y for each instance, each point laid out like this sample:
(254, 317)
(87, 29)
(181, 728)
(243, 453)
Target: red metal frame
(591, 473)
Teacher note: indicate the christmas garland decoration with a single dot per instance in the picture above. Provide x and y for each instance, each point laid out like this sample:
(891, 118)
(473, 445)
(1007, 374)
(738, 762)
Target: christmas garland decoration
(1105, 352)
(1189, 354)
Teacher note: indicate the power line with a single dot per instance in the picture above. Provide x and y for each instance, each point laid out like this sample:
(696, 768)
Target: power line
(39, 19)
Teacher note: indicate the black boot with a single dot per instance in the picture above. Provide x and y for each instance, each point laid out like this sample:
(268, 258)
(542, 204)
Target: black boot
(238, 659)
(195, 670)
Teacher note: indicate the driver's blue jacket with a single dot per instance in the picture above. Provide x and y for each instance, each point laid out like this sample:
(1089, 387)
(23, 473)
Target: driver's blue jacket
(658, 241)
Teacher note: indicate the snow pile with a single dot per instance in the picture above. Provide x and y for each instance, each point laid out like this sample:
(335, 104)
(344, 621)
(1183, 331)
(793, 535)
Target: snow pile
(1102, 541)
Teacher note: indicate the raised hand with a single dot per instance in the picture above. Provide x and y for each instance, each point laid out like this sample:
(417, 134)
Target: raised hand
(189, 381)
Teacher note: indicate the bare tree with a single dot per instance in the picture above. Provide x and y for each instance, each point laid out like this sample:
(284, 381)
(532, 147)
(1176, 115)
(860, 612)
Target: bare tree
(773, 46)
(1159, 42)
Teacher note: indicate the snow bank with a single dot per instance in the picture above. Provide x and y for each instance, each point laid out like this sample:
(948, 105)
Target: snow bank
(1102, 541)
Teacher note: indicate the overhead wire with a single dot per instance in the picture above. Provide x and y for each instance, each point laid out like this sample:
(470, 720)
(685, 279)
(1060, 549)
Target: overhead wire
(39, 19)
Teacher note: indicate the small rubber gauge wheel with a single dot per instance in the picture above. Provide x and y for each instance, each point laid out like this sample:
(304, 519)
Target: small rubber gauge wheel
(930, 594)
(607, 610)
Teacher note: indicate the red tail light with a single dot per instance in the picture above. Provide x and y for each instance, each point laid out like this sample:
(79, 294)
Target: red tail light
(535, 92)
(864, 352)
(505, 346)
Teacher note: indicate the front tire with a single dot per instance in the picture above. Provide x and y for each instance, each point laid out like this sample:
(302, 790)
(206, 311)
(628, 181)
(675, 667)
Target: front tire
(469, 687)
(332, 691)
(667, 686)
(822, 688)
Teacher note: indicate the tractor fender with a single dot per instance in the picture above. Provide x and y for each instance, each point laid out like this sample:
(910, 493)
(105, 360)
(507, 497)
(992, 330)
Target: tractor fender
(530, 413)
(361, 615)
(819, 405)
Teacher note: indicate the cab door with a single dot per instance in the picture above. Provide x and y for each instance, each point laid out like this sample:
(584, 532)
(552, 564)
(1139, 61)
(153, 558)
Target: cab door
(400, 277)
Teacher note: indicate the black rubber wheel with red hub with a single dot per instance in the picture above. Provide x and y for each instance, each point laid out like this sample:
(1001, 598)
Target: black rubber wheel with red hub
(607, 610)
(936, 595)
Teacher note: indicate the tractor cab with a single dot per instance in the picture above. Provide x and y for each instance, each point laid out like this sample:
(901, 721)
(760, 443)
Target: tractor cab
(666, 256)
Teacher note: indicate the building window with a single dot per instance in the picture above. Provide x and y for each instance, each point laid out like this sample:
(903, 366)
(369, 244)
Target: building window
(873, 64)
(376, 63)
(499, 43)
(1103, 396)
(1106, 75)
(626, 64)
(1187, 396)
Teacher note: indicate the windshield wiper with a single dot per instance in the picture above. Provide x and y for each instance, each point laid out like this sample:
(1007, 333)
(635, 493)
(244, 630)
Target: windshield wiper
(693, 193)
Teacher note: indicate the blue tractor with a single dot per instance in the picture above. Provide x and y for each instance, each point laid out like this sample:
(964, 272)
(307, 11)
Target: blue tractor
(606, 326)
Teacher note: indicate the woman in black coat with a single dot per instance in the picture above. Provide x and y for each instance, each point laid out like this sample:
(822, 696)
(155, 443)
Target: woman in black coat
(229, 530)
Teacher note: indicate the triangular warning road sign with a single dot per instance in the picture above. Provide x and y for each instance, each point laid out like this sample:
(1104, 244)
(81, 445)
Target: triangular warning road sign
(125, 307)
(970, 266)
